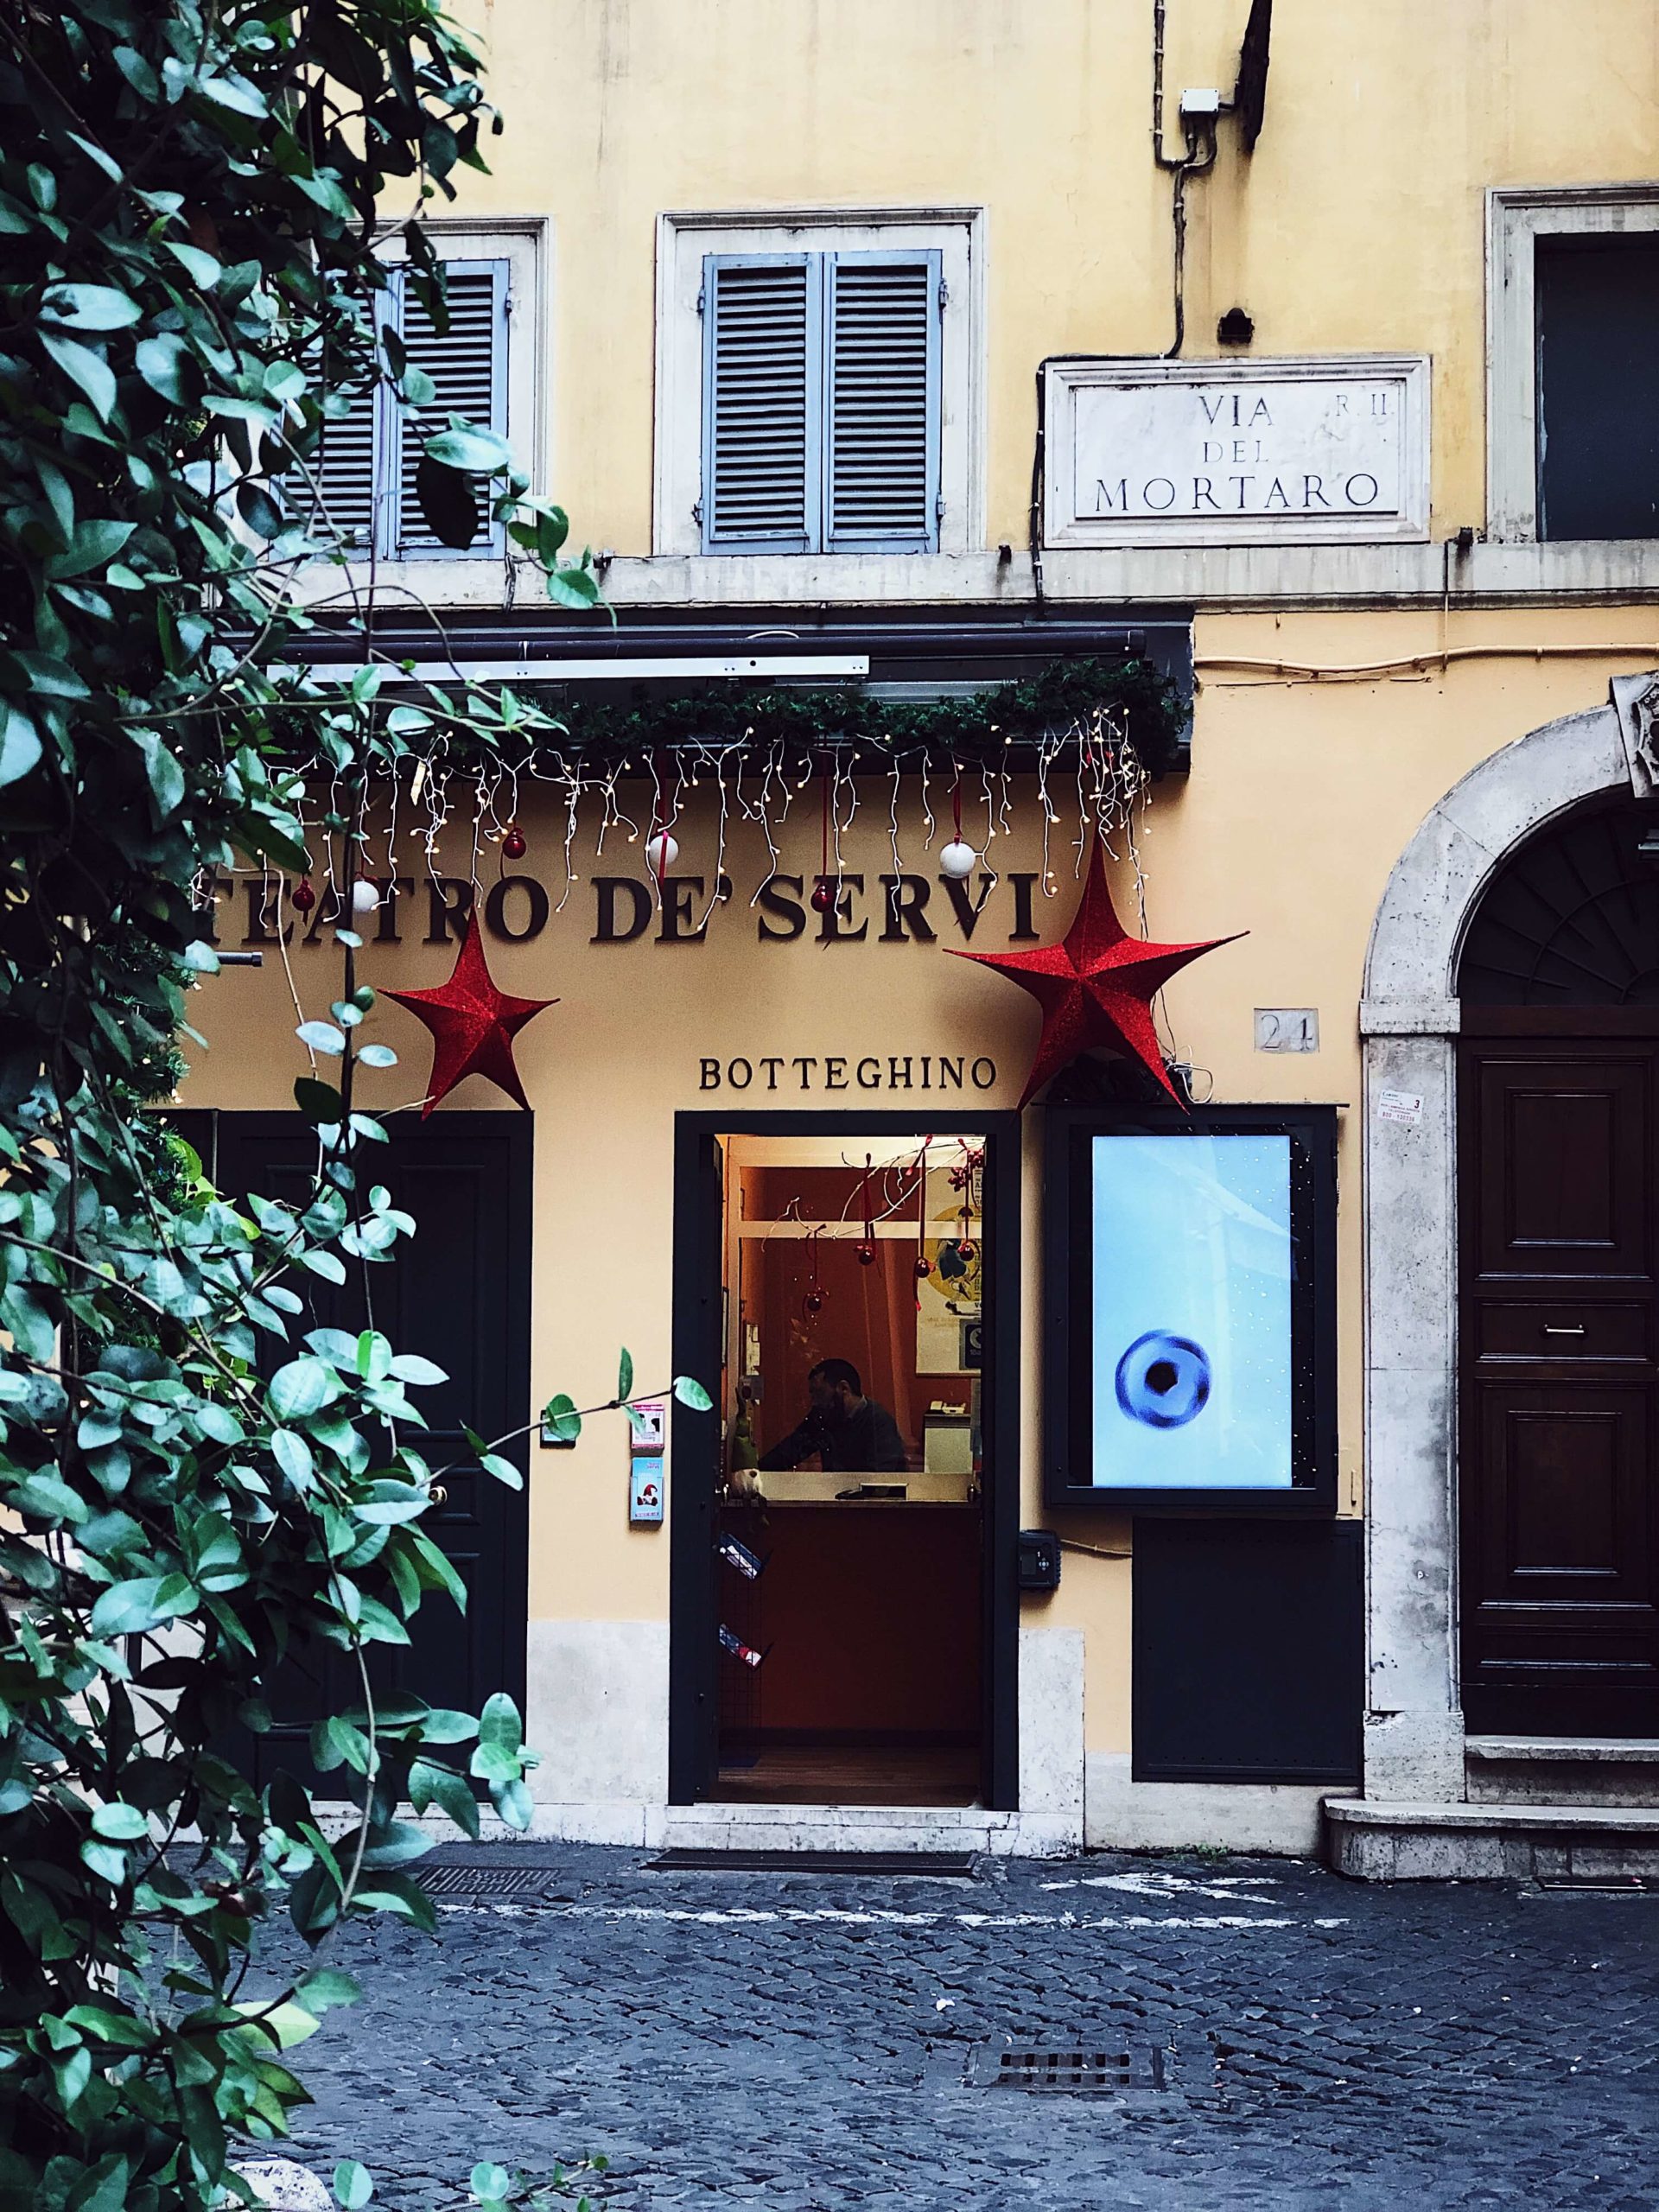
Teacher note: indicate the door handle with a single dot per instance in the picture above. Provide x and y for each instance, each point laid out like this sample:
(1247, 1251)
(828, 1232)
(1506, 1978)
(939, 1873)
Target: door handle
(1552, 1330)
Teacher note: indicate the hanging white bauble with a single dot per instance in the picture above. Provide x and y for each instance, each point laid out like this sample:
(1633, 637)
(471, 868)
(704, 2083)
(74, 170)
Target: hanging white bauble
(661, 851)
(365, 895)
(959, 859)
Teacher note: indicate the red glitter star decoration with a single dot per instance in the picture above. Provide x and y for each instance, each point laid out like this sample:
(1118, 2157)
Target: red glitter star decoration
(1096, 986)
(472, 1024)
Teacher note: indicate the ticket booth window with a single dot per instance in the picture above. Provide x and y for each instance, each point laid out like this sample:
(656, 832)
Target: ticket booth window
(853, 1470)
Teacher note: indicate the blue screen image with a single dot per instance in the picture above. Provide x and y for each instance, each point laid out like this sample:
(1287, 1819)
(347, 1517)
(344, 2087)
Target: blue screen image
(1192, 1322)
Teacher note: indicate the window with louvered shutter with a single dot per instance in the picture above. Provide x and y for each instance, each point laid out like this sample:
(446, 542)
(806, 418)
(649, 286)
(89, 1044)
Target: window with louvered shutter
(366, 470)
(343, 472)
(821, 403)
(882, 467)
(468, 362)
(761, 429)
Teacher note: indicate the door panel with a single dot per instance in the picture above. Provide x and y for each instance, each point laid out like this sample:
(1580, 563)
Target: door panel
(1563, 1164)
(1559, 1500)
(458, 1293)
(695, 1478)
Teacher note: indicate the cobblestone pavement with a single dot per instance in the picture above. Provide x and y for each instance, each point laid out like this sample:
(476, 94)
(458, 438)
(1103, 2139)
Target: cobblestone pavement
(1274, 2037)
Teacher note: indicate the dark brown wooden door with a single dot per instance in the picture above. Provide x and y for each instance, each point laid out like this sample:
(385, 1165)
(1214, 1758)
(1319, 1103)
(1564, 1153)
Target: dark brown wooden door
(458, 1293)
(1560, 1390)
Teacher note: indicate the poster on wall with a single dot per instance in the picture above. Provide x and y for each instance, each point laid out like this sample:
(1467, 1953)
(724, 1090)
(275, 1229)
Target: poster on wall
(1192, 1365)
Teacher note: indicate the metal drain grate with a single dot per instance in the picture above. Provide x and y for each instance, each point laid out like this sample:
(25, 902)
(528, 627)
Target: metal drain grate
(939, 1865)
(1088, 2072)
(482, 1881)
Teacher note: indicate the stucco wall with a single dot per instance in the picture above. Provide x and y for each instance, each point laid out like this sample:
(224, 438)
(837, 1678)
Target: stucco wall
(1301, 799)
(1356, 225)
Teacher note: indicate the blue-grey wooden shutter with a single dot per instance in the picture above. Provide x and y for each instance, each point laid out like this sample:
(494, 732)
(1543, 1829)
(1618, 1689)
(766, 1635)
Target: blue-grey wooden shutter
(344, 471)
(468, 362)
(762, 386)
(884, 314)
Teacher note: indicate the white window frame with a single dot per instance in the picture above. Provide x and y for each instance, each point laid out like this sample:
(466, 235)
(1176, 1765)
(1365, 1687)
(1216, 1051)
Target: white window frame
(525, 243)
(684, 239)
(1516, 218)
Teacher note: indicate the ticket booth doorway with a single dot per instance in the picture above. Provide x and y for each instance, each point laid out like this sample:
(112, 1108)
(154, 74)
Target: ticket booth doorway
(845, 1633)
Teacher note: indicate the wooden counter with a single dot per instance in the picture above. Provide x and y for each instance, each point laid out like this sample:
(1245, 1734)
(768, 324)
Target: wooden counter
(869, 1612)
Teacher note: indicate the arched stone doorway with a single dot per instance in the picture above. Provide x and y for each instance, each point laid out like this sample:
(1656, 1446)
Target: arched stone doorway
(1558, 1125)
(1410, 1020)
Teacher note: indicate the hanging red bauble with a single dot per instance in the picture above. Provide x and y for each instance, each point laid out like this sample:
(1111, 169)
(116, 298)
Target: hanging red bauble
(923, 1267)
(865, 1254)
(472, 1024)
(514, 845)
(302, 898)
(1096, 986)
(823, 895)
(813, 1302)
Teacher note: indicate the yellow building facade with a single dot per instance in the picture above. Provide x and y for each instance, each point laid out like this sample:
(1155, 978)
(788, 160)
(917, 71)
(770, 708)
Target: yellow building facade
(912, 352)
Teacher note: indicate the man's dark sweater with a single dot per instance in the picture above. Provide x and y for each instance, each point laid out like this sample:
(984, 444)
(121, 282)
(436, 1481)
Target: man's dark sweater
(867, 1443)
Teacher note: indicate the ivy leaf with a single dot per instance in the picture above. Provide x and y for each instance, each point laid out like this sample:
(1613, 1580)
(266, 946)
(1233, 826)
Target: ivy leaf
(373, 1357)
(235, 94)
(353, 2185)
(89, 307)
(323, 1988)
(93, 544)
(481, 452)
(410, 1367)
(162, 363)
(200, 264)
(377, 1056)
(301, 1388)
(285, 380)
(283, 2024)
(624, 1374)
(322, 1036)
(560, 1422)
(118, 1823)
(489, 2183)
(259, 511)
(20, 747)
(573, 587)
(87, 370)
(689, 1392)
(431, 1784)
(317, 1102)
(48, 1497)
(135, 1607)
(293, 1455)
(166, 776)
(449, 502)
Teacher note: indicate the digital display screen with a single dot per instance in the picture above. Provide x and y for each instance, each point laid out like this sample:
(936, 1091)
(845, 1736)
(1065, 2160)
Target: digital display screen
(1192, 1320)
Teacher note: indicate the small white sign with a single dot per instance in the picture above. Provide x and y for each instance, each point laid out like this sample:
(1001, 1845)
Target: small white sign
(1237, 452)
(1287, 1029)
(647, 1425)
(1399, 1106)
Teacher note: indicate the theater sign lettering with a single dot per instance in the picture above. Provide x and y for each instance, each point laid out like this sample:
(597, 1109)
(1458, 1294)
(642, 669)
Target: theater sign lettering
(1141, 453)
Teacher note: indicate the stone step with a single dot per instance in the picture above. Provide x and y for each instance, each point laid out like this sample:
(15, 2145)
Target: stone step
(865, 1827)
(1562, 1770)
(1383, 1839)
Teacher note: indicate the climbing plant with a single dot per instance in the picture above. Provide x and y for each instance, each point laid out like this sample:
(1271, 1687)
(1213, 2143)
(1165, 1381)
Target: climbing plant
(197, 1480)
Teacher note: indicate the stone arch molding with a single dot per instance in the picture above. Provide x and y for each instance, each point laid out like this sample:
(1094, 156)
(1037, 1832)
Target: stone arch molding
(1408, 1026)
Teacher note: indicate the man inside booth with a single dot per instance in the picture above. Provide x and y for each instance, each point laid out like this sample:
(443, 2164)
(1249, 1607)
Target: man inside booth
(849, 1433)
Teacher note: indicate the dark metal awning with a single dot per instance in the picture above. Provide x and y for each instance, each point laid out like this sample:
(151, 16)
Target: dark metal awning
(888, 653)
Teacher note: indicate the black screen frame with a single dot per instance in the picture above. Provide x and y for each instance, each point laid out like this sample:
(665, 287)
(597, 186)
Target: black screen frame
(1068, 1269)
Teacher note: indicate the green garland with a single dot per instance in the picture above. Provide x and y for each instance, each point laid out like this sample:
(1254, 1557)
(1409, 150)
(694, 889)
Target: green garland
(975, 729)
